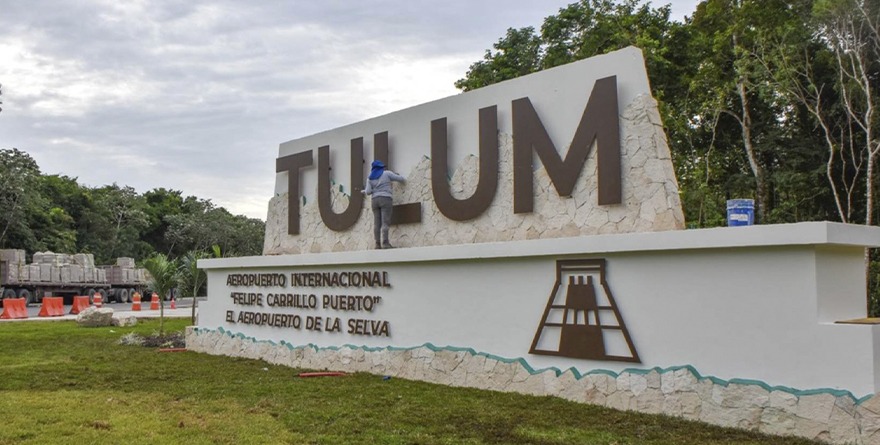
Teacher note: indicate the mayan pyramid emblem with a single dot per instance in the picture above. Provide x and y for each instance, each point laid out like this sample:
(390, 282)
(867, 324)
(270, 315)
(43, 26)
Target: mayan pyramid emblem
(581, 319)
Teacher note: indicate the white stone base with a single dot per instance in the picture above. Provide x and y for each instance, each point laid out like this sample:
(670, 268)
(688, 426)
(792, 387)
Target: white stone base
(828, 415)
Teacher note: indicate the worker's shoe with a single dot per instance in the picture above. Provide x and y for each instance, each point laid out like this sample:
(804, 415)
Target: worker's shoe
(378, 246)
(387, 246)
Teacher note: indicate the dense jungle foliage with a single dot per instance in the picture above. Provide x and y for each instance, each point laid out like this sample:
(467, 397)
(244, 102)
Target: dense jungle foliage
(774, 100)
(55, 213)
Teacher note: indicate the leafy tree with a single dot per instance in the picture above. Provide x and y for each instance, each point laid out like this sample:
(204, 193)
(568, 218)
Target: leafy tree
(122, 222)
(592, 27)
(161, 204)
(194, 228)
(827, 64)
(581, 30)
(19, 196)
(55, 230)
(203, 225)
(732, 93)
(55, 212)
(68, 206)
(244, 236)
(518, 53)
(851, 29)
(730, 132)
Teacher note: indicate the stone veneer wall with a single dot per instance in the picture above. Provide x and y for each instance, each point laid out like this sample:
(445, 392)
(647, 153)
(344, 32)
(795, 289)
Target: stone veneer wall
(828, 415)
(650, 200)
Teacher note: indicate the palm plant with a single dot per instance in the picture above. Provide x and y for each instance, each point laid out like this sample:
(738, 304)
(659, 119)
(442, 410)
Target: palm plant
(163, 278)
(190, 278)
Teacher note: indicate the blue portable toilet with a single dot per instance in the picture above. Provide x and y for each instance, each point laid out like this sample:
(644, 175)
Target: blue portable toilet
(740, 212)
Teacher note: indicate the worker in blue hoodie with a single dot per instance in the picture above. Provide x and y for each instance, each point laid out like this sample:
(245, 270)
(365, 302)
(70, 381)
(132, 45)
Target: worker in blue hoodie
(379, 187)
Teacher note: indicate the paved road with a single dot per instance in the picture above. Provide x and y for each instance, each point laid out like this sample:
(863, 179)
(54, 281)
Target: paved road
(184, 309)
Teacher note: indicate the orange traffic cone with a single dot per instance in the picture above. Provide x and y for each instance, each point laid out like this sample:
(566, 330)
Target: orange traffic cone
(173, 303)
(154, 302)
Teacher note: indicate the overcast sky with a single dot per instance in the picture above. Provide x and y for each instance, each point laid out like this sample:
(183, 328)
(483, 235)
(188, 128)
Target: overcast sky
(196, 95)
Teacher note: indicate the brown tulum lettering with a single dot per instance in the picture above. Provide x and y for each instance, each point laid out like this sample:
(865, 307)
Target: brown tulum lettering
(292, 165)
(474, 206)
(599, 123)
(341, 221)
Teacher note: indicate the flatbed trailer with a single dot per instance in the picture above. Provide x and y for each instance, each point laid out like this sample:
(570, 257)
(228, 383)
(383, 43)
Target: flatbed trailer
(34, 281)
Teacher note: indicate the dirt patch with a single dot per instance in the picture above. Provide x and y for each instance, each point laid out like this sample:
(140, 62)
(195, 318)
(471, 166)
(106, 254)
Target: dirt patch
(166, 340)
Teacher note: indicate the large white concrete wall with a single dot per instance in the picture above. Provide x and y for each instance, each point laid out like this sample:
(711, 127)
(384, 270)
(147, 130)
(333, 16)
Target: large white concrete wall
(649, 201)
(753, 303)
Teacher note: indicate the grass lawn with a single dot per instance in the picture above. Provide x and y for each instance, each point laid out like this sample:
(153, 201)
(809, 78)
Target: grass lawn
(62, 384)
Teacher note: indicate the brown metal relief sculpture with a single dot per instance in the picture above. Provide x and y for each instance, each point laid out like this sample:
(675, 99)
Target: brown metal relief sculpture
(474, 206)
(409, 213)
(581, 319)
(341, 221)
(292, 164)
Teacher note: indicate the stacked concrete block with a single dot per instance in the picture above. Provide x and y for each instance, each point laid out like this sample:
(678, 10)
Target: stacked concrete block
(44, 258)
(124, 272)
(84, 260)
(76, 273)
(13, 256)
(13, 274)
(114, 273)
(62, 268)
(52, 259)
(125, 262)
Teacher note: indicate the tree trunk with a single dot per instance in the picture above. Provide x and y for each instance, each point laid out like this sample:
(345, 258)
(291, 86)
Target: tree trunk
(762, 186)
(762, 192)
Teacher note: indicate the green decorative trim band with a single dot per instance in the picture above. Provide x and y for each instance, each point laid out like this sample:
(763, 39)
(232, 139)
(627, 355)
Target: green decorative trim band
(577, 374)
